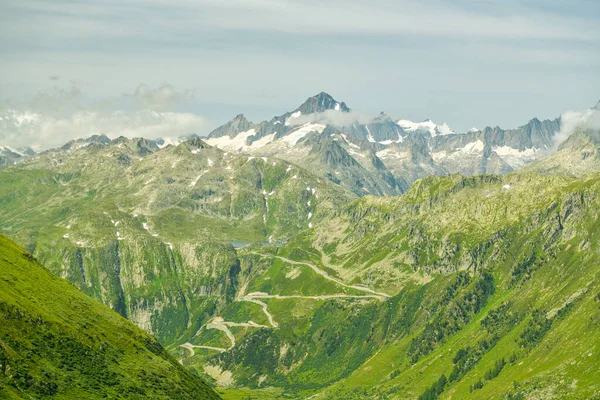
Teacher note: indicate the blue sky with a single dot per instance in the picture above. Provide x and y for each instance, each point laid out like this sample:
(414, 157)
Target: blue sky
(467, 63)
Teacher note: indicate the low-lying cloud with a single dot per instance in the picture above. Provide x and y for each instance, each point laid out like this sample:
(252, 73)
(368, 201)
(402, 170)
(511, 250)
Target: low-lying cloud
(571, 121)
(52, 118)
(338, 119)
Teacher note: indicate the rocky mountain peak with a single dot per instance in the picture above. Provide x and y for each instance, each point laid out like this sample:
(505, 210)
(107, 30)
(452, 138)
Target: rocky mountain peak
(198, 143)
(94, 139)
(99, 139)
(322, 102)
(238, 124)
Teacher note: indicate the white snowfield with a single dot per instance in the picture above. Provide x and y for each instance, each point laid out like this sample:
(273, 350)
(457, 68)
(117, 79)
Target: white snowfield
(427, 125)
(298, 134)
(470, 149)
(514, 157)
(239, 143)
(8, 149)
(391, 153)
(236, 144)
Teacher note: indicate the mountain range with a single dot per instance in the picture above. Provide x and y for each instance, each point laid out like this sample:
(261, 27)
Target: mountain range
(378, 155)
(323, 254)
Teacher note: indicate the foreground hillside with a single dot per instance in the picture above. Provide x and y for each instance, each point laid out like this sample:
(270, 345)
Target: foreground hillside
(57, 342)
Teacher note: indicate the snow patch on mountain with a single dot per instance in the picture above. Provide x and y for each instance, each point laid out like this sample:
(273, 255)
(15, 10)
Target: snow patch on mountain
(8, 149)
(263, 141)
(369, 136)
(427, 125)
(390, 141)
(515, 157)
(473, 147)
(298, 134)
(238, 143)
(392, 154)
(164, 142)
(470, 149)
(345, 137)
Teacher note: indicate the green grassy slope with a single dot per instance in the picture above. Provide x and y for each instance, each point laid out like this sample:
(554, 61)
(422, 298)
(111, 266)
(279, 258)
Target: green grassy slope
(148, 232)
(495, 285)
(57, 342)
(493, 282)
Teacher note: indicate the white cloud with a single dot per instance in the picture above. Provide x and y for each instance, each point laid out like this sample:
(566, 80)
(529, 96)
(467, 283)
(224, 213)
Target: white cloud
(413, 59)
(43, 131)
(54, 117)
(573, 120)
(430, 18)
(161, 98)
(174, 20)
(335, 118)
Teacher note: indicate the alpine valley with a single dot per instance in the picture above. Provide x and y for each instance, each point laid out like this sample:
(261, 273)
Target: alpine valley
(322, 254)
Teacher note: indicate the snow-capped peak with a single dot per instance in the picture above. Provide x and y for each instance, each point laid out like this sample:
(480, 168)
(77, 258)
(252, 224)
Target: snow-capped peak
(473, 130)
(427, 125)
(4, 148)
(19, 151)
(444, 129)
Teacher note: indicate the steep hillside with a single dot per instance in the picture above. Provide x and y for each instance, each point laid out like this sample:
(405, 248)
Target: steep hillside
(276, 281)
(55, 342)
(487, 285)
(149, 231)
(577, 156)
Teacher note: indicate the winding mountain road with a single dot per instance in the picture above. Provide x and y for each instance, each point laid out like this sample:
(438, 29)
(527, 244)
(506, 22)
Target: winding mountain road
(252, 299)
(325, 275)
(222, 325)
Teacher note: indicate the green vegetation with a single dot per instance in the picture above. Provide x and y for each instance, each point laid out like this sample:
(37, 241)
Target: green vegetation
(435, 390)
(57, 342)
(465, 287)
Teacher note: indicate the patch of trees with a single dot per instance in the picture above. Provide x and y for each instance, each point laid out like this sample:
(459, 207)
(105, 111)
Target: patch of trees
(500, 320)
(433, 392)
(454, 316)
(524, 270)
(489, 375)
(535, 330)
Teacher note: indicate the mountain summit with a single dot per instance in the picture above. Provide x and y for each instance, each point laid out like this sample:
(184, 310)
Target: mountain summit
(321, 102)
